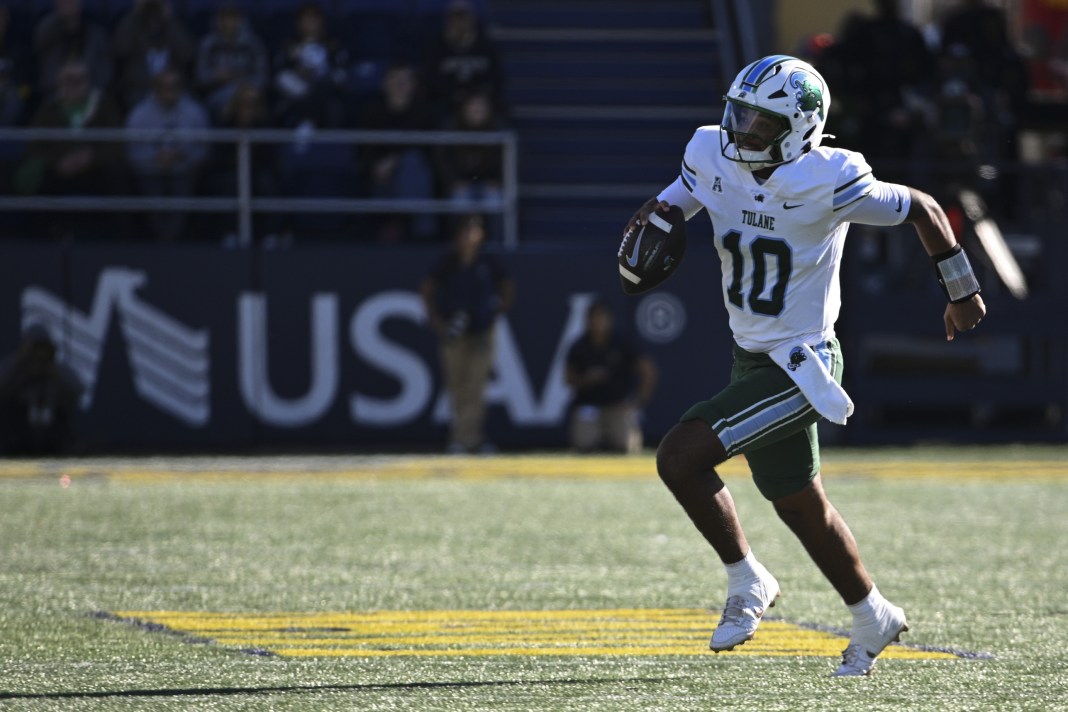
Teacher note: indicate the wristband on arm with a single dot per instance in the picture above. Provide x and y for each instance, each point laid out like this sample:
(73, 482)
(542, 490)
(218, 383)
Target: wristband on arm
(955, 275)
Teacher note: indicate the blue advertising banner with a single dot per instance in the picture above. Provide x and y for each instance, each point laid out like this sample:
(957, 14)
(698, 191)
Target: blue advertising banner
(195, 345)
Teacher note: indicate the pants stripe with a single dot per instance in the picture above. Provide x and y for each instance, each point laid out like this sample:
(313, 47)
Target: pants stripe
(776, 415)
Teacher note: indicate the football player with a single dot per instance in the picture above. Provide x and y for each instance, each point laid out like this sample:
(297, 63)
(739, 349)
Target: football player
(781, 204)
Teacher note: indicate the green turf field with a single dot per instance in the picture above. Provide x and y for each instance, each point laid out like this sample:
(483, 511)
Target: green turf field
(522, 583)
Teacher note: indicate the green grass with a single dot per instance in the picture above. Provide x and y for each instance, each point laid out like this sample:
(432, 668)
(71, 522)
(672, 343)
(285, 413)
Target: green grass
(979, 565)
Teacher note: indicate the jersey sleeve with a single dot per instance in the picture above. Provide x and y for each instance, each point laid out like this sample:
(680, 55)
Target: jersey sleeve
(679, 194)
(859, 197)
(681, 191)
(853, 184)
(886, 204)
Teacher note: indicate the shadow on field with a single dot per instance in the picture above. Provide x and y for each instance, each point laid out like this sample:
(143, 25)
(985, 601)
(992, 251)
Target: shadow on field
(231, 691)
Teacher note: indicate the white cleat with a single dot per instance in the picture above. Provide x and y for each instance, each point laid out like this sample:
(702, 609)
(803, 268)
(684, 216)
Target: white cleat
(867, 642)
(742, 613)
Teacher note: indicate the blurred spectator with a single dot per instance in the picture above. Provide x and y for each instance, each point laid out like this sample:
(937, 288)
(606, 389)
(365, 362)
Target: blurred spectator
(881, 69)
(311, 75)
(464, 294)
(1045, 42)
(463, 59)
(837, 62)
(611, 383)
(74, 167)
(15, 83)
(15, 91)
(1058, 64)
(38, 396)
(399, 171)
(148, 39)
(472, 171)
(247, 109)
(999, 74)
(67, 34)
(231, 55)
(982, 28)
(959, 112)
(170, 166)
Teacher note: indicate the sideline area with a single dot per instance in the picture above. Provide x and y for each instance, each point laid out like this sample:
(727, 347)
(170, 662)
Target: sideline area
(973, 463)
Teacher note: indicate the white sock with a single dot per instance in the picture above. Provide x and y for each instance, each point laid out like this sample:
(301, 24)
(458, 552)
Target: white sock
(867, 610)
(741, 573)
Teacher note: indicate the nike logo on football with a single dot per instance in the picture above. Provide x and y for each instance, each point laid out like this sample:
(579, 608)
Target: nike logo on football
(787, 206)
(633, 259)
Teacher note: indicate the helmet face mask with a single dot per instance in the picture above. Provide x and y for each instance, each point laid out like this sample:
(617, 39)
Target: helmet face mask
(776, 110)
(756, 133)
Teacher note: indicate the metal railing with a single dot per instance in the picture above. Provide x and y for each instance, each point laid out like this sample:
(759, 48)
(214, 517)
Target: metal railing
(244, 204)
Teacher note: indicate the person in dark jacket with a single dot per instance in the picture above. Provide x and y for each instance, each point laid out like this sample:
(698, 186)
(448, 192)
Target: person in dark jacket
(230, 56)
(399, 170)
(67, 34)
(74, 166)
(16, 86)
(463, 60)
(611, 382)
(464, 294)
(38, 395)
(311, 73)
(148, 39)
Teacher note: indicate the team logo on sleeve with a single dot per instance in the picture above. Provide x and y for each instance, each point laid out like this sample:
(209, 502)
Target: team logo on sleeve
(797, 357)
(717, 185)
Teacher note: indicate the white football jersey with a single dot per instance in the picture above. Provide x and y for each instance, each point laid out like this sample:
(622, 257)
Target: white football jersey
(780, 242)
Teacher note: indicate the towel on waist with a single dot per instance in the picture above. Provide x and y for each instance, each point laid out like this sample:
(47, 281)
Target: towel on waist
(808, 371)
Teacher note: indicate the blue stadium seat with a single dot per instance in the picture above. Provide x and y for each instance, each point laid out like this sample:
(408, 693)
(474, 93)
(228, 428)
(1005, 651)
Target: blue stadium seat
(210, 6)
(365, 78)
(358, 7)
(99, 10)
(602, 14)
(373, 35)
(318, 169)
(438, 7)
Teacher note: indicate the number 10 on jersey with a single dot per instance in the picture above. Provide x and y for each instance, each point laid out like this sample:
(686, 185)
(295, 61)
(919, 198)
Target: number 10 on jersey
(760, 251)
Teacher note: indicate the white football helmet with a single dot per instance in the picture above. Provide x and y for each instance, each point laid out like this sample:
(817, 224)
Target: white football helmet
(776, 110)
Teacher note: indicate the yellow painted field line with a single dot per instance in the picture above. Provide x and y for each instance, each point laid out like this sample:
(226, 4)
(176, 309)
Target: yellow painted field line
(467, 633)
(878, 465)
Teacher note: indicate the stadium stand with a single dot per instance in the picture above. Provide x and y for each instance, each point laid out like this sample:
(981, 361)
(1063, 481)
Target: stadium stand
(601, 94)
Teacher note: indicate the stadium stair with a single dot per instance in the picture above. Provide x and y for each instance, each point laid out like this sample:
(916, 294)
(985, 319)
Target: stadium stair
(604, 96)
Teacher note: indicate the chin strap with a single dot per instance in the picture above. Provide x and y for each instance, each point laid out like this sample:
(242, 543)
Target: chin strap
(955, 275)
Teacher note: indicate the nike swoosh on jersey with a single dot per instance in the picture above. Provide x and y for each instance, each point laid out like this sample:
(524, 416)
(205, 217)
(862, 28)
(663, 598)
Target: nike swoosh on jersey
(633, 259)
(898, 204)
(787, 206)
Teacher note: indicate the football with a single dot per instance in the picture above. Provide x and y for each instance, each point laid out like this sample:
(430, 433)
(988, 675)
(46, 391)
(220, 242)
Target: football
(651, 253)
